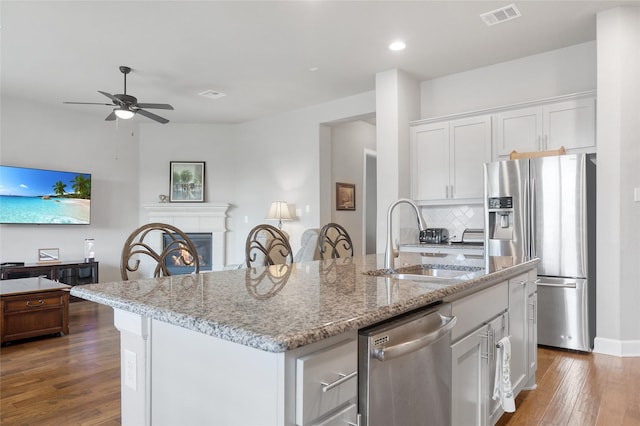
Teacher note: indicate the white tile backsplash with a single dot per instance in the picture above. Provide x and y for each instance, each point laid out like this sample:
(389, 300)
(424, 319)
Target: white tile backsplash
(455, 218)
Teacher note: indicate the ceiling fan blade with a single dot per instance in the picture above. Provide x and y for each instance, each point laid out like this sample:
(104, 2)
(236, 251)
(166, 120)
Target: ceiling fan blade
(155, 106)
(110, 96)
(152, 116)
(86, 103)
(111, 116)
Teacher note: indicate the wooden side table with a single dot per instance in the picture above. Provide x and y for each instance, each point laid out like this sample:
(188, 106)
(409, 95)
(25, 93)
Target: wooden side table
(32, 307)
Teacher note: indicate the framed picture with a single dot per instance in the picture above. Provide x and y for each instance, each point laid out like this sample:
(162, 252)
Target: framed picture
(48, 255)
(345, 196)
(187, 182)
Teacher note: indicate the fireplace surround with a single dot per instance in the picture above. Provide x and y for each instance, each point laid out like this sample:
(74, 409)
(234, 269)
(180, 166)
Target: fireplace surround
(195, 218)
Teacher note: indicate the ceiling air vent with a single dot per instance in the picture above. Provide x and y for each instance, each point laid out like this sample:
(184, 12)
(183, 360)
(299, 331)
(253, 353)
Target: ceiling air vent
(503, 14)
(212, 94)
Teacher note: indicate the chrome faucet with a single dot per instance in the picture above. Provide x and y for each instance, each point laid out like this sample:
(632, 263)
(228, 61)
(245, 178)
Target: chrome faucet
(390, 254)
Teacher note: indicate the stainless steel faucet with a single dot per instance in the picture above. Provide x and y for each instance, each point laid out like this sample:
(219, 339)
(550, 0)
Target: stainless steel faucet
(390, 254)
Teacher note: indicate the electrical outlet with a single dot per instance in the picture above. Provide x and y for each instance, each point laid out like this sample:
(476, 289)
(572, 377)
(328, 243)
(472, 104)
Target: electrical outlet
(636, 195)
(298, 212)
(130, 367)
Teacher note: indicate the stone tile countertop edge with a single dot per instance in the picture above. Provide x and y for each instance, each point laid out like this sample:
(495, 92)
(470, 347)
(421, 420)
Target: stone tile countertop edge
(311, 301)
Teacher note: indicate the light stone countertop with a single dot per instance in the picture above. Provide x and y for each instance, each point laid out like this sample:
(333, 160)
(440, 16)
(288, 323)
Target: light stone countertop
(283, 307)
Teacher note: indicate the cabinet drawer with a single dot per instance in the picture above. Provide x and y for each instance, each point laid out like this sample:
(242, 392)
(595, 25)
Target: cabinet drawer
(478, 308)
(315, 371)
(33, 301)
(343, 417)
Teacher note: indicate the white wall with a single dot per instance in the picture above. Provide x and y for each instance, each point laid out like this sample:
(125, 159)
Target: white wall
(397, 103)
(278, 158)
(40, 136)
(618, 136)
(348, 143)
(553, 73)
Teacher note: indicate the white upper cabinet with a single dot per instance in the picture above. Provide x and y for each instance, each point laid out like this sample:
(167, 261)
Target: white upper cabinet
(447, 159)
(547, 126)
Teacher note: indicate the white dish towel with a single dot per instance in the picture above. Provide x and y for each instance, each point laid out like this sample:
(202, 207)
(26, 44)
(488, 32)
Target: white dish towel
(502, 385)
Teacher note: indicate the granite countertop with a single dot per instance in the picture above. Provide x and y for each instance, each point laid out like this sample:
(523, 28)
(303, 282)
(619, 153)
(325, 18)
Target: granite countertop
(283, 307)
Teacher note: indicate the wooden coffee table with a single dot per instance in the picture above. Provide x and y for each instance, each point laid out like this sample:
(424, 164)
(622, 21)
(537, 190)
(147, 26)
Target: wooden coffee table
(32, 307)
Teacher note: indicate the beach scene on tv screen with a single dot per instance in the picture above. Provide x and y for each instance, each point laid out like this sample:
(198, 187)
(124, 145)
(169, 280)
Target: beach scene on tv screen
(44, 196)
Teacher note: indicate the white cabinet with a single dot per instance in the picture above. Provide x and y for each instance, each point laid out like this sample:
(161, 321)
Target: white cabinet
(547, 126)
(447, 159)
(482, 321)
(327, 385)
(473, 375)
(523, 330)
(532, 329)
(518, 331)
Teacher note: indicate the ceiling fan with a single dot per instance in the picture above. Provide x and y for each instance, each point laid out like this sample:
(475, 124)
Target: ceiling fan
(126, 106)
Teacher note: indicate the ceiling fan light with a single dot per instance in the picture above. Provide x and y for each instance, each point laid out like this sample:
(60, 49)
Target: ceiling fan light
(125, 114)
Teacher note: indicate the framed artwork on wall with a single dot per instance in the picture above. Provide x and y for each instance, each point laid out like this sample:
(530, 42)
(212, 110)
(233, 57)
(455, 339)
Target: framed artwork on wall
(345, 196)
(187, 182)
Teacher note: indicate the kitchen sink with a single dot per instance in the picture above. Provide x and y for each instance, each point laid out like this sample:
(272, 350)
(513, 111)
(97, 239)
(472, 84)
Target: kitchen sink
(435, 273)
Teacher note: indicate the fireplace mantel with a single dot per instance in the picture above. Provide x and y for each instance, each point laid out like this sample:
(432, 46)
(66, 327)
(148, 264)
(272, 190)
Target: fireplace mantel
(195, 217)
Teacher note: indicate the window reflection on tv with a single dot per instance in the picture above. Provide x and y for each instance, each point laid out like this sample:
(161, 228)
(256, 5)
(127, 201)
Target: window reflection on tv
(38, 196)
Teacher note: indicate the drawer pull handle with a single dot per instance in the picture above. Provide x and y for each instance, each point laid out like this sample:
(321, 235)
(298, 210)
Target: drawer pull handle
(343, 378)
(40, 302)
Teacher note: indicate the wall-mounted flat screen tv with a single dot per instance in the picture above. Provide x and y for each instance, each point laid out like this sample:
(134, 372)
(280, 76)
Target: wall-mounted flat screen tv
(36, 196)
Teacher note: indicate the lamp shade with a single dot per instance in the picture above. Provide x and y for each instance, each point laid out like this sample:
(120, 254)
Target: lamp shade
(279, 211)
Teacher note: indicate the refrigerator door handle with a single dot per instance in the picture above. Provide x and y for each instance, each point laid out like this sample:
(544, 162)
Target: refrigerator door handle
(527, 219)
(532, 218)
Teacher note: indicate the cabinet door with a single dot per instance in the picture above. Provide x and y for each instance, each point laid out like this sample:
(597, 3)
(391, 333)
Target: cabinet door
(519, 130)
(315, 371)
(497, 330)
(470, 148)
(430, 161)
(532, 335)
(518, 327)
(469, 361)
(570, 124)
(81, 273)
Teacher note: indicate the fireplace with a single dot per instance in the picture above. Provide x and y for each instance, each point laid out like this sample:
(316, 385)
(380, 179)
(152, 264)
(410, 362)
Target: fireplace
(193, 219)
(203, 243)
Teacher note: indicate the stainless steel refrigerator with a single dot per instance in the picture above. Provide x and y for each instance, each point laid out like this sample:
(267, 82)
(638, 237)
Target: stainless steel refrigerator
(545, 208)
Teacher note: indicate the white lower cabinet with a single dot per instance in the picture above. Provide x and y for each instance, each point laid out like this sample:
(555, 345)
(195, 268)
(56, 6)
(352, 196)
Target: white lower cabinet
(523, 330)
(518, 331)
(327, 386)
(482, 322)
(473, 375)
(532, 329)
(505, 309)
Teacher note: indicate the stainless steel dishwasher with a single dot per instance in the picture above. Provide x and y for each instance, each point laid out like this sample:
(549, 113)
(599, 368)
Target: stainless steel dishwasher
(404, 369)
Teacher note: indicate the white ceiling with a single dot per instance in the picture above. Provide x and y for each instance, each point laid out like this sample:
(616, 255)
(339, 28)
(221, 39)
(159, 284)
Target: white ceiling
(259, 53)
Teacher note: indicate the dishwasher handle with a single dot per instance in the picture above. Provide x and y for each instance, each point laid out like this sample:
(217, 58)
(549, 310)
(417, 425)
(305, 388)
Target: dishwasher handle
(395, 351)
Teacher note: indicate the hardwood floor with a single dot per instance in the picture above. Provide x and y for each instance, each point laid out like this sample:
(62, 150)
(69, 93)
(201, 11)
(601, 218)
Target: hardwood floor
(580, 389)
(67, 380)
(75, 380)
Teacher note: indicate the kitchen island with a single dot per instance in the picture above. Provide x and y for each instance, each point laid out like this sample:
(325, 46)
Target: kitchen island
(223, 347)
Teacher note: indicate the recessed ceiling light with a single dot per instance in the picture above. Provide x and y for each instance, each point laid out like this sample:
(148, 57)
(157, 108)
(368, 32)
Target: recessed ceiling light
(212, 94)
(397, 45)
(314, 69)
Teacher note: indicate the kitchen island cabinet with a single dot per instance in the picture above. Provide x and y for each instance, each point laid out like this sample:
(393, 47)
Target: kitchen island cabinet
(232, 347)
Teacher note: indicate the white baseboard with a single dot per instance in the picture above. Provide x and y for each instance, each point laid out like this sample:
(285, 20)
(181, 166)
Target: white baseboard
(621, 348)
